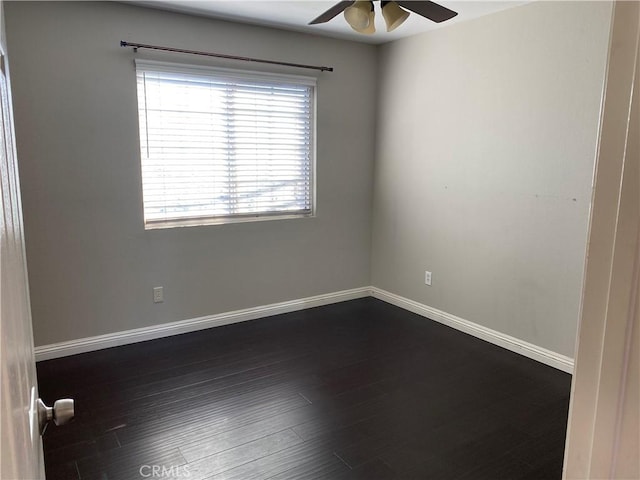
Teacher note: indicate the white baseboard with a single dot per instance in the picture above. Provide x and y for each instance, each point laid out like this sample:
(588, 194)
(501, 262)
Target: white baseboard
(553, 359)
(82, 345)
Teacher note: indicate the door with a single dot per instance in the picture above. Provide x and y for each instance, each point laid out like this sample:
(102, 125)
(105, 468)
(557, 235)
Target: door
(21, 446)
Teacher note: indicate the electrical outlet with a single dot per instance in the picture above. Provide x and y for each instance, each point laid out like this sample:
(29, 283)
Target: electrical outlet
(158, 294)
(427, 278)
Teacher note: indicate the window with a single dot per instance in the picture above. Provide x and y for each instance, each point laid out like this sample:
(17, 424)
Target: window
(221, 146)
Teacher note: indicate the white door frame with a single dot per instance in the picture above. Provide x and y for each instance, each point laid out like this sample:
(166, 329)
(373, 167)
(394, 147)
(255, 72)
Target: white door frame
(603, 429)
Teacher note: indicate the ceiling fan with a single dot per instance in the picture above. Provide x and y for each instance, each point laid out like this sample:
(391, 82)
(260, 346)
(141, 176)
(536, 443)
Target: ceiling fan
(360, 14)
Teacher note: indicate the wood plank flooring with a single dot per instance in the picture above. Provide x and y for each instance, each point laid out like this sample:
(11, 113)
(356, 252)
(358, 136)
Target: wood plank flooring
(355, 390)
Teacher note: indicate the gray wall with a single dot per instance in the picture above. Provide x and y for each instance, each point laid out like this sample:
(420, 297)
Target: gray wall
(485, 144)
(91, 264)
(485, 150)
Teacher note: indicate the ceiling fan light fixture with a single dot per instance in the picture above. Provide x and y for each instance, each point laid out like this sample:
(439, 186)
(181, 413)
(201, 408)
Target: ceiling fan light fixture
(394, 15)
(358, 15)
(371, 29)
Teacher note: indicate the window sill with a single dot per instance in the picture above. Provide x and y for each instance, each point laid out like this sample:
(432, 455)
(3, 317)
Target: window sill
(207, 221)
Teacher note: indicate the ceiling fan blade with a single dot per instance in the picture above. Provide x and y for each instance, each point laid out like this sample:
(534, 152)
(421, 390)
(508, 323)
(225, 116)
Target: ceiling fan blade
(432, 11)
(332, 12)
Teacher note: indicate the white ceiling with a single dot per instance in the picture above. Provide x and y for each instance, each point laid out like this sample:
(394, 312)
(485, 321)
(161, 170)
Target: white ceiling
(296, 14)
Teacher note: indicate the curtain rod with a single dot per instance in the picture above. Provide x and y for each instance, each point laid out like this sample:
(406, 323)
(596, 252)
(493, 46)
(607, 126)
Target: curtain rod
(136, 46)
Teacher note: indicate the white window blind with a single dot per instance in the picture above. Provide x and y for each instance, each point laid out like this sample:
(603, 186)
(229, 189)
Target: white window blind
(220, 146)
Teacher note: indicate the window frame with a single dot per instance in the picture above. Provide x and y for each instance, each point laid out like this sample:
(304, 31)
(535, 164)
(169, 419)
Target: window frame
(142, 65)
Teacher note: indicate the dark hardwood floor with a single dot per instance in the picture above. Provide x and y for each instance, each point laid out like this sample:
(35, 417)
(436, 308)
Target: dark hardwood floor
(355, 390)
